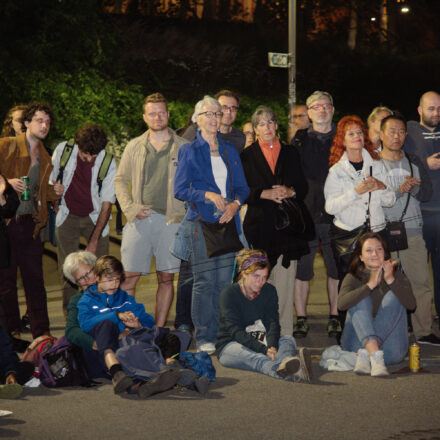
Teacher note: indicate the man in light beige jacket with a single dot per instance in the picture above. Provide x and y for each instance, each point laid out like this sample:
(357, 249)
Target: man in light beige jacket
(144, 188)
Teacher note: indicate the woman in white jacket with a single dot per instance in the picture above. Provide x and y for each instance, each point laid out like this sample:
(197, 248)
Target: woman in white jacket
(354, 190)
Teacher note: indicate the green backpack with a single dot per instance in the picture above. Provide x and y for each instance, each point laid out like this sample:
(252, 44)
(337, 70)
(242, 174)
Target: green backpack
(65, 156)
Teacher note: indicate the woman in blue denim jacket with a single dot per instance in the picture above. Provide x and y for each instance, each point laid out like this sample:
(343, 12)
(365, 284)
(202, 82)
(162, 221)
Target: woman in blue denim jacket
(210, 177)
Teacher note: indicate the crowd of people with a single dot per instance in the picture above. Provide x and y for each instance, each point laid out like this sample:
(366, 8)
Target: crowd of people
(240, 215)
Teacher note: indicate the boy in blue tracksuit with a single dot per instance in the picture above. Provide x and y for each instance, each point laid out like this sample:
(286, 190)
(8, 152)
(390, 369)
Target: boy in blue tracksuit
(105, 311)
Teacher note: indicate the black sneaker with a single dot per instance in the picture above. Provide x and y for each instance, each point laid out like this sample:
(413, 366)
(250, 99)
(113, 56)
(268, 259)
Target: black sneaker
(301, 328)
(19, 345)
(430, 339)
(25, 324)
(164, 381)
(334, 327)
(121, 382)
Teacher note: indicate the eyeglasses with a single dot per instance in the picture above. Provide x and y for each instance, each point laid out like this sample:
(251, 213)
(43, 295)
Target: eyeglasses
(210, 114)
(316, 107)
(232, 109)
(85, 276)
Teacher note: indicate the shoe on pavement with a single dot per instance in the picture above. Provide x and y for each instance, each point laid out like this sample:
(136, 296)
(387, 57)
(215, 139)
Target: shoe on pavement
(301, 328)
(202, 384)
(121, 382)
(363, 365)
(187, 377)
(334, 327)
(5, 412)
(19, 345)
(305, 373)
(10, 391)
(378, 367)
(164, 381)
(288, 366)
(209, 347)
(430, 339)
(185, 328)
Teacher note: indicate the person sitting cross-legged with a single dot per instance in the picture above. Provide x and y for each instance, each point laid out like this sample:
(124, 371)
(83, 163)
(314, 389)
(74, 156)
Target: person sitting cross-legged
(248, 337)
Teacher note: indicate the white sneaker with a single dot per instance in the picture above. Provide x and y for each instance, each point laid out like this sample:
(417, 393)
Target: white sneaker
(209, 347)
(378, 367)
(363, 365)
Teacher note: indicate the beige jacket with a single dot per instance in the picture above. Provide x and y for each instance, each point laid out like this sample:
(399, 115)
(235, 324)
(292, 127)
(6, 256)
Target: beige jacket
(131, 171)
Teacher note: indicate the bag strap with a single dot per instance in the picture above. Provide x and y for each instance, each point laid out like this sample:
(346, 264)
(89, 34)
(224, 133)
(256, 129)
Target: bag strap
(65, 156)
(409, 195)
(103, 170)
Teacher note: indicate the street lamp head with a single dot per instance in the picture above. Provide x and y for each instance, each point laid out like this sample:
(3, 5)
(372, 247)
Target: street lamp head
(404, 9)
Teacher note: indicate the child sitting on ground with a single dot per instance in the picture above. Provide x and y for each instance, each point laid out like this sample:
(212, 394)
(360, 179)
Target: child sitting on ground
(106, 312)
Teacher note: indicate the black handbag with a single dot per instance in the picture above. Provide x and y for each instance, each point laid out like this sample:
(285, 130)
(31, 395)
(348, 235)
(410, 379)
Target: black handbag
(220, 238)
(395, 232)
(293, 218)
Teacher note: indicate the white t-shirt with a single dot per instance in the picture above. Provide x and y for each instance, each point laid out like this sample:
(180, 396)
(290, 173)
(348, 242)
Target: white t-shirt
(220, 173)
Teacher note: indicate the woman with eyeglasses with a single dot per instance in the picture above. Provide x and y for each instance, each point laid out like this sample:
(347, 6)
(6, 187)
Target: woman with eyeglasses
(210, 178)
(274, 172)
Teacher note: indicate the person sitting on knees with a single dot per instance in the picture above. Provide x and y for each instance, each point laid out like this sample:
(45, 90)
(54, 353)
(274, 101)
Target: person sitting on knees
(248, 337)
(106, 311)
(376, 297)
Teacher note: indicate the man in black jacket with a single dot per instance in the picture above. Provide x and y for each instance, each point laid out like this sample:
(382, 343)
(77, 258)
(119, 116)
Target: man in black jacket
(314, 145)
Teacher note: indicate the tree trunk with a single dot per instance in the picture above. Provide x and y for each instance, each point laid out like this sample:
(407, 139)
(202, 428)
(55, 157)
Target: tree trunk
(352, 31)
(208, 10)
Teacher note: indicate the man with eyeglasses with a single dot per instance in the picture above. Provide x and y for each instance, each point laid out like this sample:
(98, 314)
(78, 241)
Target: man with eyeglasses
(229, 103)
(314, 145)
(298, 120)
(145, 189)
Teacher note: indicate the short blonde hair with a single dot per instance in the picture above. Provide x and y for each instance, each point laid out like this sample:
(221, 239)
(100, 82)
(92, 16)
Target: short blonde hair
(375, 112)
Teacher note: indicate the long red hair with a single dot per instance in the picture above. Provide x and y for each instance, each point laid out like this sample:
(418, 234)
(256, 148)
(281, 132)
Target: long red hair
(338, 148)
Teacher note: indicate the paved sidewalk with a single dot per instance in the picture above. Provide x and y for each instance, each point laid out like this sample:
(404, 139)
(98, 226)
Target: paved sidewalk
(240, 404)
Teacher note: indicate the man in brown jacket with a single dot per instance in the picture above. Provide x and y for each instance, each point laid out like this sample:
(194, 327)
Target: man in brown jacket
(25, 155)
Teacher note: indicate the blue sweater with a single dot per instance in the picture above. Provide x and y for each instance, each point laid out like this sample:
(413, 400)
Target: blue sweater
(194, 177)
(94, 307)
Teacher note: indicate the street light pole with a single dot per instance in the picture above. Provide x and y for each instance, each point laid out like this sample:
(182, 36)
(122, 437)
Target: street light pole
(292, 54)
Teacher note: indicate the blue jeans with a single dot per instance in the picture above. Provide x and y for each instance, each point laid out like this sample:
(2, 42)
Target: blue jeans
(431, 234)
(235, 355)
(211, 276)
(389, 328)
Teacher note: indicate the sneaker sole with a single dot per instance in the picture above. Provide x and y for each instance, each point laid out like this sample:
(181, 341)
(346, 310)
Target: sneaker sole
(123, 385)
(306, 358)
(290, 368)
(163, 382)
(299, 334)
(334, 334)
(186, 377)
(428, 343)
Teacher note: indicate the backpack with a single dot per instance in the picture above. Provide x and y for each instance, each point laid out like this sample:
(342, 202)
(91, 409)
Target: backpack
(63, 365)
(65, 156)
(37, 348)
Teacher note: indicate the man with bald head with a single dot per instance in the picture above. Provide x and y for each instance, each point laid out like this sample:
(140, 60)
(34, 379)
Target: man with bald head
(424, 140)
(298, 120)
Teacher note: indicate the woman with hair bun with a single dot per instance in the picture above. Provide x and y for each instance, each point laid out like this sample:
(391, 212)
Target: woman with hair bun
(248, 337)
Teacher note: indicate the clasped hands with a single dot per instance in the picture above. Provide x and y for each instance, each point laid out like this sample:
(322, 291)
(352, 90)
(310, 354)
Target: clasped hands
(228, 209)
(386, 270)
(278, 193)
(129, 319)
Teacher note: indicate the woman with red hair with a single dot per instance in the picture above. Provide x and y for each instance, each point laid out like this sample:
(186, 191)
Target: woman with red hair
(354, 190)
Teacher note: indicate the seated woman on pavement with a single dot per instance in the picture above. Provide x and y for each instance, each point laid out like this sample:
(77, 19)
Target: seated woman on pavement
(376, 297)
(107, 313)
(248, 337)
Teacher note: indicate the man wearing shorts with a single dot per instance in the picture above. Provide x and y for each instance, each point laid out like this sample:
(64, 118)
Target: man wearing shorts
(144, 187)
(314, 145)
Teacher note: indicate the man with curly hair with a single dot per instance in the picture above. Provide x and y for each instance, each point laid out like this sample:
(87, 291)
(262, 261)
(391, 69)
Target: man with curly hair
(25, 155)
(86, 204)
